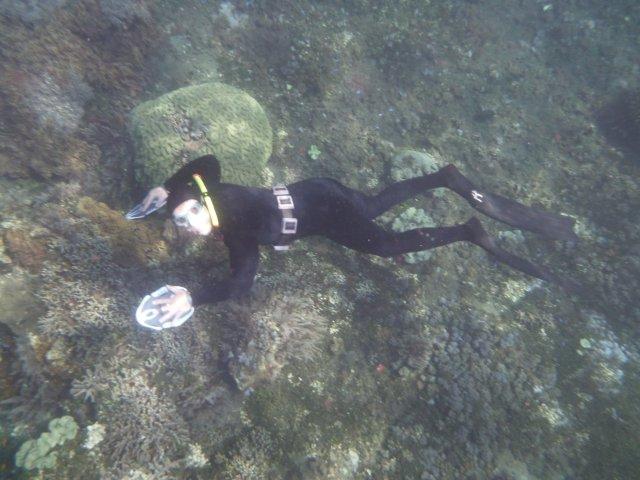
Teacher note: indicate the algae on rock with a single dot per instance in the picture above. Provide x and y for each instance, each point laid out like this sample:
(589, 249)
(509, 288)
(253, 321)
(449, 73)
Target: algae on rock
(211, 118)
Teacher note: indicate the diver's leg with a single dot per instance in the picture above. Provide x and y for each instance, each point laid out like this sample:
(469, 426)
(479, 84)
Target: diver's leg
(495, 206)
(359, 233)
(509, 211)
(371, 206)
(404, 190)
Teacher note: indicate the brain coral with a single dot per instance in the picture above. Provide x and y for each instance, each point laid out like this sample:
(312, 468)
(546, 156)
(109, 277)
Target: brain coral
(193, 121)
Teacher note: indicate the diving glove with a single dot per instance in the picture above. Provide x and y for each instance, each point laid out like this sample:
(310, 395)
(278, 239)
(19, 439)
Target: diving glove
(153, 311)
(154, 200)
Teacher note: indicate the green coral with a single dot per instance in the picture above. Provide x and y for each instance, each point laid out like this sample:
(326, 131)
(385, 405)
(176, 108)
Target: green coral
(411, 163)
(40, 454)
(202, 119)
(314, 152)
(409, 219)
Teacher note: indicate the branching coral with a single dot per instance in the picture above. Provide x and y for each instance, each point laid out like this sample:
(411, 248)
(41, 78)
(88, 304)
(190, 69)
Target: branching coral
(75, 307)
(250, 457)
(143, 426)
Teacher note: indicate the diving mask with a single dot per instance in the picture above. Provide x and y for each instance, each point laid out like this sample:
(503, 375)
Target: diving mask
(191, 216)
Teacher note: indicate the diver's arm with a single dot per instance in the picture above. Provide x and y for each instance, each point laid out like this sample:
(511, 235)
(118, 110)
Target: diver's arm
(244, 257)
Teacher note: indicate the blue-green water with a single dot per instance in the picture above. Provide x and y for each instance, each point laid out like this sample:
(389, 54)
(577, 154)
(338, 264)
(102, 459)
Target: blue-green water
(338, 365)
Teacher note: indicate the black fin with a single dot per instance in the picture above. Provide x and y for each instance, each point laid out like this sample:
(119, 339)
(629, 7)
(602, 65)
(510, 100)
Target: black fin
(480, 237)
(558, 227)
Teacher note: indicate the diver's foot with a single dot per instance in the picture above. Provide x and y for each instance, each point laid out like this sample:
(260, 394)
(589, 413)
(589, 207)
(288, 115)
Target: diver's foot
(478, 235)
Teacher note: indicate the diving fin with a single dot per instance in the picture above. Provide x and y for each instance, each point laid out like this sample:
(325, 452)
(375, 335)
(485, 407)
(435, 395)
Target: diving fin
(480, 237)
(551, 225)
(557, 227)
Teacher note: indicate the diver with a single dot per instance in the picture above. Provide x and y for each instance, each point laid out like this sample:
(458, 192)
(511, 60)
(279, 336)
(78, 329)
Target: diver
(249, 217)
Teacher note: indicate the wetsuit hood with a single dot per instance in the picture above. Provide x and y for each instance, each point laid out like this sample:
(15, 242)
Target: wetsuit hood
(182, 186)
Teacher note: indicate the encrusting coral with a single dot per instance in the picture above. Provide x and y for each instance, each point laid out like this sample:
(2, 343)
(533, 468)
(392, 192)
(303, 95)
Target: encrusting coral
(40, 454)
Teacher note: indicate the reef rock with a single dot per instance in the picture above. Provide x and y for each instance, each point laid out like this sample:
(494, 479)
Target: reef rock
(412, 163)
(28, 252)
(131, 243)
(193, 121)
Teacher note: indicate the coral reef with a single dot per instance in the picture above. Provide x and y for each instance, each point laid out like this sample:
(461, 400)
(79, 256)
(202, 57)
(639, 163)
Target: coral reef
(193, 121)
(131, 243)
(606, 355)
(265, 332)
(60, 70)
(95, 435)
(19, 308)
(250, 457)
(30, 11)
(75, 307)
(88, 387)
(348, 366)
(26, 251)
(59, 104)
(472, 385)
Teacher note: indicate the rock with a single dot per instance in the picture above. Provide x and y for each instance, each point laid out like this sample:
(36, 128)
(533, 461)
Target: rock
(203, 119)
(28, 252)
(30, 11)
(124, 13)
(5, 261)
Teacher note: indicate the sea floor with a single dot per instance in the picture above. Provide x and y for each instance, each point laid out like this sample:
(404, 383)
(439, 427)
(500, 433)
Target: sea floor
(338, 365)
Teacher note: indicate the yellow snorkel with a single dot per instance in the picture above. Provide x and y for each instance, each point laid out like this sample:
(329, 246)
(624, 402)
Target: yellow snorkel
(207, 200)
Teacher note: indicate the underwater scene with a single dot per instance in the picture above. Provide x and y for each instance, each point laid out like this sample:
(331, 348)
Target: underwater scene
(295, 239)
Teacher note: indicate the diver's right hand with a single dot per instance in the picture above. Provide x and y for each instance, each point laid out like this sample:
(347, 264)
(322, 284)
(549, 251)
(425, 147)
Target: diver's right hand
(155, 199)
(169, 306)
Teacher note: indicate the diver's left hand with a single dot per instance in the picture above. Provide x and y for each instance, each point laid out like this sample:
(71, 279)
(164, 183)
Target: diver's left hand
(174, 307)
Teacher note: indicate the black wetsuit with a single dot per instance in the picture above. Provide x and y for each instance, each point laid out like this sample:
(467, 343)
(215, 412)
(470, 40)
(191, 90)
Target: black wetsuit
(250, 217)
